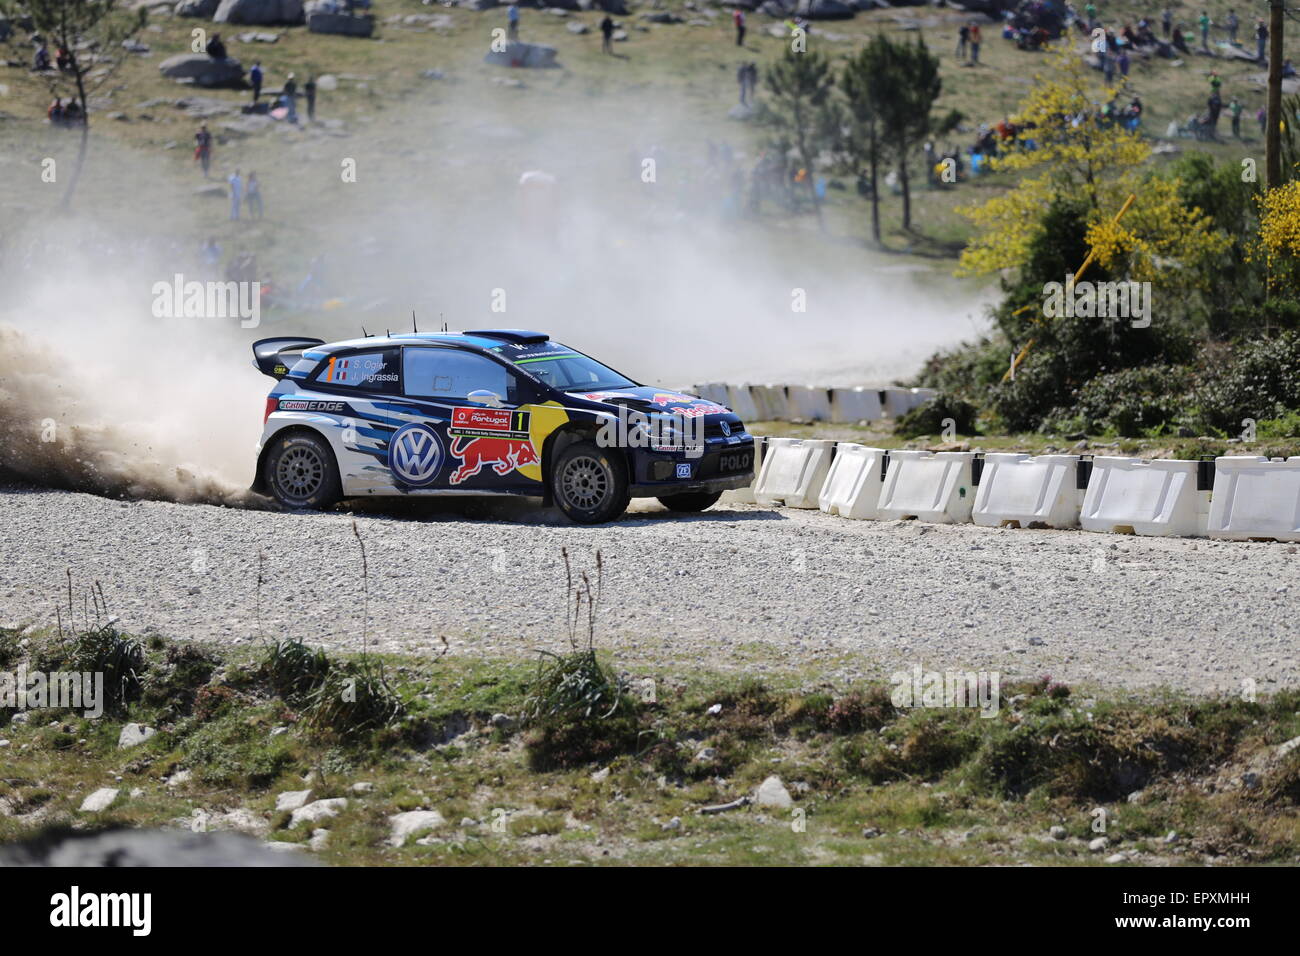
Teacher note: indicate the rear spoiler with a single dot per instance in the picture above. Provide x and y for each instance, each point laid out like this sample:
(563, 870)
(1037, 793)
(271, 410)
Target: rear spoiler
(267, 352)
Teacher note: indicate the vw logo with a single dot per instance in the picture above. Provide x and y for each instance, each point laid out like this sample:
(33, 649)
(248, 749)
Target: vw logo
(726, 430)
(415, 455)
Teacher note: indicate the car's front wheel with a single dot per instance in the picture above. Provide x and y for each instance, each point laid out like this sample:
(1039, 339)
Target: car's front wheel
(589, 484)
(690, 501)
(301, 473)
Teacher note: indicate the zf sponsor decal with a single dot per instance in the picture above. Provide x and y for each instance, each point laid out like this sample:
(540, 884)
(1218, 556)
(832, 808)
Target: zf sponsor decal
(415, 455)
(309, 405)
(489, 423)
(683, 470)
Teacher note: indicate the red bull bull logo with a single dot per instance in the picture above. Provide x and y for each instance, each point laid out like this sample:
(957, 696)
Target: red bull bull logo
(503, 454)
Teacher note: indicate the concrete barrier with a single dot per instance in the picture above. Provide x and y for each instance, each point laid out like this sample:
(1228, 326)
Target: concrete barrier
(1024, 491)
(715, 392)
(896, 401)
(852, 488)
(1255, 499)
(856, 405)
(930, 486)
(808, 402)
(1144, 496)
(794, 471)
(745, 496)
(771, 402)
(741, 401)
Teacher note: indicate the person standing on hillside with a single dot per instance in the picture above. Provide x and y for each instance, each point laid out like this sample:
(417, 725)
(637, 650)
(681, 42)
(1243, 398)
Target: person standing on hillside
(975, 44)
(309, 89)
(1232, 23)
(253, 196)
(607, 35)
(1166, 21)
(1234, 108)
(255, 77)
(963, 37)
(512, 23)
(203, 148)
(236, 195)
(1204, 22)
(738, 18)
(290, 94)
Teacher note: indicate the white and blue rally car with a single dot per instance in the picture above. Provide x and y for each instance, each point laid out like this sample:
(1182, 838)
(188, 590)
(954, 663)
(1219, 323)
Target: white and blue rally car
(491, 412)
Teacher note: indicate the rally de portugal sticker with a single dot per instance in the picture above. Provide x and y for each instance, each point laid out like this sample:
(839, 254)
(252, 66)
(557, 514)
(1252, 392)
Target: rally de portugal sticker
(415, 455)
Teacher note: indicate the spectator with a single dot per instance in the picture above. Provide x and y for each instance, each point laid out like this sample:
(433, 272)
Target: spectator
(1205, 23)
(1215, 106)
(63, 60)
(236, 195)
(290, 97)
(253, 196)
(216, 47)
(1232, 23)
(210, 252)
(1261, 117)
(42, 58)
(1123, 62)
(203, 148)
(1234, 108)
(963, 37)
(1166, 21)
(607, 35)
(309, 89)
(55, 112)
(72, 113)
(512, 22)
(255, 77)
(975, 44)
(1090, 14)
(1215, 81)
(738, 18)
(751, 79)
(742, 79)
(1261, 39)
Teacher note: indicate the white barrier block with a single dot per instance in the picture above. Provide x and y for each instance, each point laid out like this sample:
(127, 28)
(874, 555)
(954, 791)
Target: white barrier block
(1028, 491)
(1142, 496)
(745, 496)
(852, 488)
(1255, 498)
(931, 486)
(920, 396)
(896, 401)
(856, 405)
(794, 471)
(771, 402)
(714, 392)
(740, 401)
(810, 402)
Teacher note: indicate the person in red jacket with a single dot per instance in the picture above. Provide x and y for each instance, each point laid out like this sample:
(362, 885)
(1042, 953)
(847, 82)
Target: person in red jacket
(738, 17)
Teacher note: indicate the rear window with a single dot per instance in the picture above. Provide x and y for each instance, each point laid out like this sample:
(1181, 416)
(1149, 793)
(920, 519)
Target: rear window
(375, 371)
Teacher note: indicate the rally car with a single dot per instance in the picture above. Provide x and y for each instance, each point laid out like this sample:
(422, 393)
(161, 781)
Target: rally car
(490, 412)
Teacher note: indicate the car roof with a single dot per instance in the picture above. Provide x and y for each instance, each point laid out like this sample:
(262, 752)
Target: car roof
(481, 340)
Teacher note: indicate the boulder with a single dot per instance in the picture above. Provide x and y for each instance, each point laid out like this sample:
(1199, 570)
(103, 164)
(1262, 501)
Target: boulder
(201, 69)
(575, 27)
(530, 55)
(826, 10)
(259, 12)
(412, 823)
(133, 735)
(100, 800)
(477, 4)
(197, 8)
(341, 23)
(318, 811)
(772, 793)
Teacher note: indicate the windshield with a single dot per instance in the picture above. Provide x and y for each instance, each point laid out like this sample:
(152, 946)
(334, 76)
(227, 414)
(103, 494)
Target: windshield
(570, 372)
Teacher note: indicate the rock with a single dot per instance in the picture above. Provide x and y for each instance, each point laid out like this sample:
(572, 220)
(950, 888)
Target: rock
(201, 69)
(600, 776)
(619, 36)
(741, 112)
(196, 8)
(674, 824)
(530, 55)
(178, 778)
(826, 10)
(477, 4)
(772, 793)
(706, 754)
(3, 744)
(99, 801)
(327, 83)
(412, 823)
(1250, 780)
(1285, 749)
(320, 839)
(259, 38)
(132, 848)
(662, 17)
(341, 24)
(133, 735)
(433, 74)
(363, 787)
(135, 46)
(504, 721)
(1115, 858)
(211, 190)
(1097, 845)
(575, 27)
(317, 811)
(1171, 836)
(1057, 833)
(259, 12)
(870, 833)
(292, 800)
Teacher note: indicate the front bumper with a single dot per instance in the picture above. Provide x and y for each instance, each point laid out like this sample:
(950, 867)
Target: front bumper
(723, 466)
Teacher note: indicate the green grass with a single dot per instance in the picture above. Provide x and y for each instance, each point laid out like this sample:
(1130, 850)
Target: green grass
(871, 782)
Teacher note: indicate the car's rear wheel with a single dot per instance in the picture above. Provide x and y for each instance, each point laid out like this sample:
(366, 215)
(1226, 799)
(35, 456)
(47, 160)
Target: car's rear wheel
(301, 472)
(690, 501)
(589, 484)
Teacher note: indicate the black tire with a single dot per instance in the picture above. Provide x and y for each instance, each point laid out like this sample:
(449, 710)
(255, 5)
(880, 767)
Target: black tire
(301, 472)
(691, 501)
(589, 483)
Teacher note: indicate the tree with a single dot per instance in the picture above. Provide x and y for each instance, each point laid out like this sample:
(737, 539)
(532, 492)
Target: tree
(92, 32)
(801, 84)
(863, 140)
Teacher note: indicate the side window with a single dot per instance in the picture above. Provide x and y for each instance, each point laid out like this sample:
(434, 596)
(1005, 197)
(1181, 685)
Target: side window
(450, 373)
(373, 371)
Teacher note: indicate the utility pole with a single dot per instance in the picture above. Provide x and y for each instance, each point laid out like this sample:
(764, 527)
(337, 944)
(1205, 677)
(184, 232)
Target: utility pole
(1273, 135)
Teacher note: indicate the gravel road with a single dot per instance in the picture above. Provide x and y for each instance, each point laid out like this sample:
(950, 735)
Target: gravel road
(735, 588)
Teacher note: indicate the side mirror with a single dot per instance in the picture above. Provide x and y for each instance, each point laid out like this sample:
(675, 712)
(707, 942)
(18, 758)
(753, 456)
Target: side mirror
(484, 396)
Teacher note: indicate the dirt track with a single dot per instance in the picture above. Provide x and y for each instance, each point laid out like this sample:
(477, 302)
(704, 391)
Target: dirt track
(762, 591)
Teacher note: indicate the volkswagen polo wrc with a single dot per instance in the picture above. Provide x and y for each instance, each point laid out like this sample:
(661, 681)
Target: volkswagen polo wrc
(491, 412)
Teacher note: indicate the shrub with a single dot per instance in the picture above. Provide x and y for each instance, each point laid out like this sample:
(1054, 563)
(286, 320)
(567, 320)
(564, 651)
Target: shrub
(929, 418)
(1134, 401)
